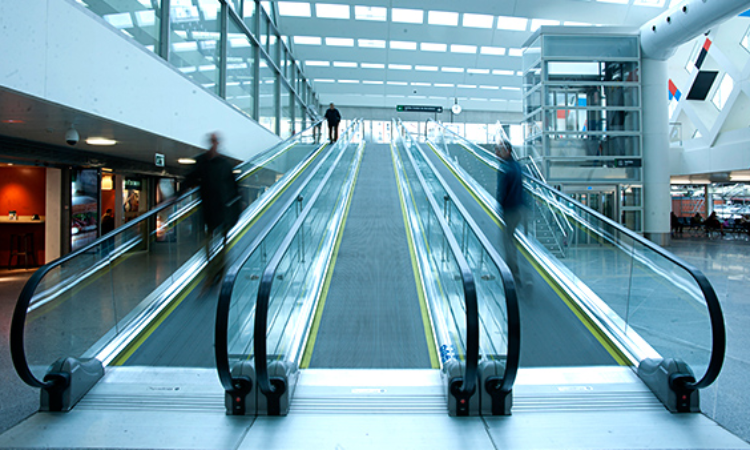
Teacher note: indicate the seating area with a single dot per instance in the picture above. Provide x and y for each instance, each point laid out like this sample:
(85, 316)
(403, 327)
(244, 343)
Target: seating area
(729, 228)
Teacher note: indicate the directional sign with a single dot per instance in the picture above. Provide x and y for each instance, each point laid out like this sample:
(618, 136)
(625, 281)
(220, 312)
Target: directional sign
(418, 108)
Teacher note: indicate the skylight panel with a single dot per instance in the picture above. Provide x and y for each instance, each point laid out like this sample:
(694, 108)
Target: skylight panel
(323, 80)
(467, 86)
(452, 69)
(492, 88)
(536, 23)
(515, 52)
(307, 40)
(656, 3)
(145, 18)
(119, 20)
(407, 15)
(372, 82)
(502, 72)
(399, 66)
(238, 42)
(477, 20)
(371, 43)
(478, 71)
(329, 11)
(403, 45)
(372, 65)
(576, 24)
(497, 51)
(317, 63)
(370, 13)
(458, 48)
(433, 47)
(349, 81)
(444, 85)
(442, 18)
(340, 42)
(512, 23)
(510, 88)
(189, 46)
(426, 68)
(622, 2)
(519, 73)
(397, 83)
(421, 84)
(294, 9)
(344, 64)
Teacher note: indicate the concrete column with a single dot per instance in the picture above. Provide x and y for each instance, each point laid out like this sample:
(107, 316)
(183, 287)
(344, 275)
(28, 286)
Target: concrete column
(655, 150)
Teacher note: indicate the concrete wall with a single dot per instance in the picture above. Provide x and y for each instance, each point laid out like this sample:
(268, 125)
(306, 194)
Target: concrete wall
(59, 51)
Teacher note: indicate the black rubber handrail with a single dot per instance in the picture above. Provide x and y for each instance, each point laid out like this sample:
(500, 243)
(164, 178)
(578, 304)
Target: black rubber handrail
(716, 317)
(511, 298)
(273, 388)
(221, 330)
(18, 322)
(468, 382)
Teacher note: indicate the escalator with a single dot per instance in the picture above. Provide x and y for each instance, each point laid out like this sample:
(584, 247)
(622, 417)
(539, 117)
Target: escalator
(285, 316)
(132, 297)
(624, 300)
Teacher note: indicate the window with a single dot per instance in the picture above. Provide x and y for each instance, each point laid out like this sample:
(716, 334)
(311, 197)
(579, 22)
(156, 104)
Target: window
(723, 91)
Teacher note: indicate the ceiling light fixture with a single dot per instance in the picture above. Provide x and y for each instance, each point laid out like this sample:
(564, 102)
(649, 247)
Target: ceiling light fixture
(102, 141)
(186, 161)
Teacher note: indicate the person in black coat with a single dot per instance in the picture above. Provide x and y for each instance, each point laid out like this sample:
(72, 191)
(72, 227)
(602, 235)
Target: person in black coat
(220, 200)
(333, 118)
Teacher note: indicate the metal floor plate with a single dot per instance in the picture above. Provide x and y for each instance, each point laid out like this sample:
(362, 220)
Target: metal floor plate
(586, 408)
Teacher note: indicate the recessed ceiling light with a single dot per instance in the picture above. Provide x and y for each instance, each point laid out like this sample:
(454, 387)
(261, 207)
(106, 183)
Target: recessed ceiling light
(407, 15)
(512, 23)
(442, 18)
(494, 88)
(399, 66)
(340, 42)
(536, 23)
(426, 68)
(323, 80)
(479, 71)
(317, 63)
(344, 64)
(185, 161)
(459, 48)
(349, 81)
(502, 72)
(372, 82)
(444, 85)
(477, 20)
(370, 13)
(420, 84)
(397, 83)
(307, 40)
(467, 86)
(403, 45)
(371, 43)
(497, 51)
(452, 69)
(372, 65)
(510, 88)
(433, 47)
(294, 9)
(329, 11)
(100, 141)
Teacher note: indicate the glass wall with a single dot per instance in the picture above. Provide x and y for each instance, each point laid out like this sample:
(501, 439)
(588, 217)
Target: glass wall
(240, 68)
(195, 49)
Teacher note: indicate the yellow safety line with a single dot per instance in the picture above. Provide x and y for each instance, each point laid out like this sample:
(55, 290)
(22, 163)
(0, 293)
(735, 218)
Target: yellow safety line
(428, 331)
(595, 331)
(307, 355)
(133, 345)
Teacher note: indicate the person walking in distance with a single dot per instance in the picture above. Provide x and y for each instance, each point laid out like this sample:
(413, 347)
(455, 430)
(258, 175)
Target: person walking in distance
(333, 118)
(220, 201)
(510, 198)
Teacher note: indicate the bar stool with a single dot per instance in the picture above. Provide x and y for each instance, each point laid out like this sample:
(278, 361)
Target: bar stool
(22, 245)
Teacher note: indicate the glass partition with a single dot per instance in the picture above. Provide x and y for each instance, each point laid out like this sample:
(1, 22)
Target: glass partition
(82, 305)
(194, 35)
(240, 69)
(138, 20)
(654, 303)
